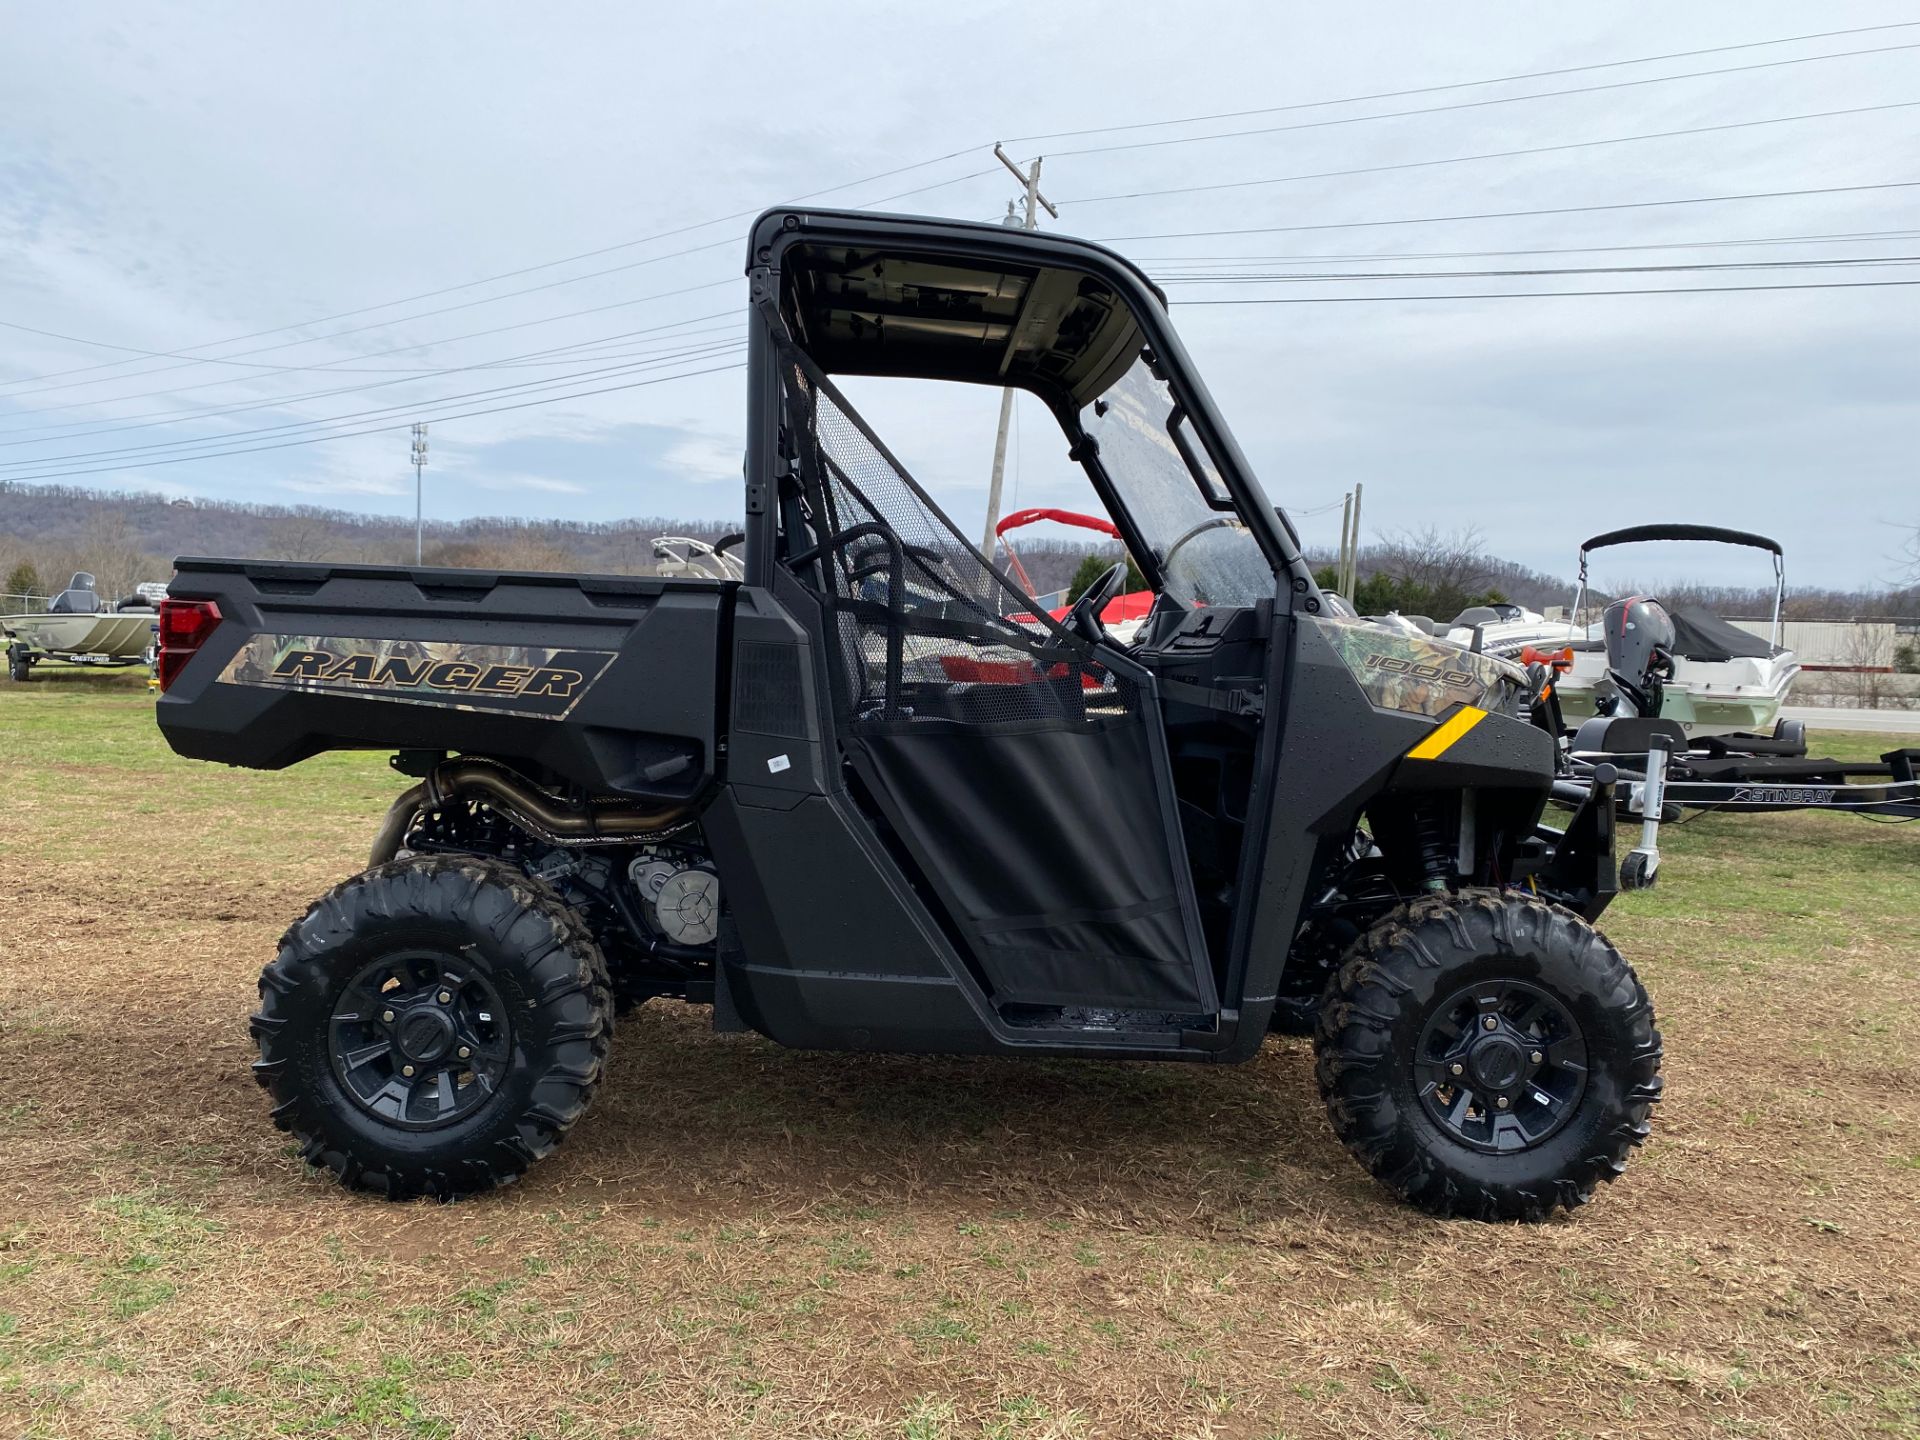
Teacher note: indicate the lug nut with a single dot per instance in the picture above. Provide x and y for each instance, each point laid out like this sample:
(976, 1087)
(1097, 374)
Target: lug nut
(408, 1071)
(446, 996)
(1457, 1068)
(387, 1015)
(1536, 1057)
(1503, 1102)
(465, 1052)
(1490, 1023)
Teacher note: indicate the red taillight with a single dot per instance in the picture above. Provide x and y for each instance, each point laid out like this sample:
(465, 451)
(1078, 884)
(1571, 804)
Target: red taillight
(184, 628)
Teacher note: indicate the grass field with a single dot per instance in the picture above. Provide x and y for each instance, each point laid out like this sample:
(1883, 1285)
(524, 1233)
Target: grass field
(742, 1240)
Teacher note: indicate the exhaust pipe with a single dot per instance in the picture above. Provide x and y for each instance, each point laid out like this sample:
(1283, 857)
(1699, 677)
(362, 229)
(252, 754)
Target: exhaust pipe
(557, 821)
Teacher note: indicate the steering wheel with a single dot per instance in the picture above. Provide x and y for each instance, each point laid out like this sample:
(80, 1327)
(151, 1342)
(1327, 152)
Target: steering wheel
(1212, 523)
(1084, 619)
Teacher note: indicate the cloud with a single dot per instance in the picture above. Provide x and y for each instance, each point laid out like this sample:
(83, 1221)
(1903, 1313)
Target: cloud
(705, 459)
(167, 183)
(497, 482)
(345, 485)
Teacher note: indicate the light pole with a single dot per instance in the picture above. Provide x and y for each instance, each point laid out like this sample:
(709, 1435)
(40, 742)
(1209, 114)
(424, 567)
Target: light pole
(419, 466)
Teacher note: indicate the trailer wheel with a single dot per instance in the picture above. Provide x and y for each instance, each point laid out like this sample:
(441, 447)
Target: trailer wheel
(433, 1026)
(19, 666)
(1488, 1055)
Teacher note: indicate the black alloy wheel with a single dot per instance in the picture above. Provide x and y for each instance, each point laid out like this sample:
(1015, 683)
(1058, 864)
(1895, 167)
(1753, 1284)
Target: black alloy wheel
(420, 1039)
(1501, 1065)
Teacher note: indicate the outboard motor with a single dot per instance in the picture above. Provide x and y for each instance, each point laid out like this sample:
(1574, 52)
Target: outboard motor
(79, 598)
(1639, 638)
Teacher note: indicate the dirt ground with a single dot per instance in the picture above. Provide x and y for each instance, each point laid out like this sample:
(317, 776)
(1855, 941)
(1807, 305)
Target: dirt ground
(742, 1240)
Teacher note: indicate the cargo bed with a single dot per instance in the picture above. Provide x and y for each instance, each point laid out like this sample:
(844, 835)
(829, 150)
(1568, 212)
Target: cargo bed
(306, 658)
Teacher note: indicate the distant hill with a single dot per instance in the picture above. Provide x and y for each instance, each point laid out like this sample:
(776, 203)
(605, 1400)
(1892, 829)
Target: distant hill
(126, 537)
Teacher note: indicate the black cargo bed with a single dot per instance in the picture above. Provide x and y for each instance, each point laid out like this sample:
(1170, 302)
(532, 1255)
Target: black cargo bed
(309, 658)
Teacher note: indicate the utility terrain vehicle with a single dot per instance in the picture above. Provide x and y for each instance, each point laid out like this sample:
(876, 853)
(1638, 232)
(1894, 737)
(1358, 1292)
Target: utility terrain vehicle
(866, 797)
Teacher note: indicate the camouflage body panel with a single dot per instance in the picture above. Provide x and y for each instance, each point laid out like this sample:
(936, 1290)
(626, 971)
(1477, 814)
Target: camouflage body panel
(1417, 675)
(515, 679)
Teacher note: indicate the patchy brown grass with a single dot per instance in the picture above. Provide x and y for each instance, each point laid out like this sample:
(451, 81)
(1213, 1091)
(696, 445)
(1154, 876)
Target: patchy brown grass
(742, 1240)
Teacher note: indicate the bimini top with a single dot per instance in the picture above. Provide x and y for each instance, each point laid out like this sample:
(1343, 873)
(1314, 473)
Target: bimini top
(1634, 533)
(902, 295)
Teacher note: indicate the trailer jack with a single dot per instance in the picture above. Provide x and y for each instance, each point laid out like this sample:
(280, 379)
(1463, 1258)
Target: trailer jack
(1641, 866)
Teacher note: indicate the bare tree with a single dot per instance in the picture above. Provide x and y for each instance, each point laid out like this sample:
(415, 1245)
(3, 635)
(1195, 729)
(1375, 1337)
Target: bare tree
(1868, 652)
(1451, 566)
(505, 552)
(109, 549)
(301, 535)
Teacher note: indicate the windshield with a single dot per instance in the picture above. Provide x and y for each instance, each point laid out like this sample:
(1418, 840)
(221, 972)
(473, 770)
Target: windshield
(1207, 556)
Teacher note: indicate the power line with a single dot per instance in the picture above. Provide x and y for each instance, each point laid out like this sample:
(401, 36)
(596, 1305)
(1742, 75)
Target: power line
(1870, 236)
(360, 329)
(401, 349)
(1553, 294)
(1492, 154)
(1461, 84)
(1189, 234)
(187, 358)
(185, 414)
(1480, 104)
(923, 189)
(377, 429)
(1515, 214)
(698, 352)
(189, 361)
(1370, 278)
(528, 269)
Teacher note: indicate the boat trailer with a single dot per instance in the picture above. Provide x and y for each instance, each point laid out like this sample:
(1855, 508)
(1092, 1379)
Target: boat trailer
(1664, 777)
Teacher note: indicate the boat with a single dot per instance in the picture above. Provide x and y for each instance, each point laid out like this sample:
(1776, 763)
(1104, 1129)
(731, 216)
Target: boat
(1123, 615)
(80, 626)
(685, 558)
(1726, 680)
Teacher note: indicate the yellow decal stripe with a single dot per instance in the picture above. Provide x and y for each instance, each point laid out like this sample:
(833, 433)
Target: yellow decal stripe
(1442, 739)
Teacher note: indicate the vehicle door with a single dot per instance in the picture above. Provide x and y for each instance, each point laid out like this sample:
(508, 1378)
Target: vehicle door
(1022, 769)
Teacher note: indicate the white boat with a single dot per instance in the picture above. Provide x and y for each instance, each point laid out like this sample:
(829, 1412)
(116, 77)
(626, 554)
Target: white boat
(1725, 680)
(683, 557)
(78, 625)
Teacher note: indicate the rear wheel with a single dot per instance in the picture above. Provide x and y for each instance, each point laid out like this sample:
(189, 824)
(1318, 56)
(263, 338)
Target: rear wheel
(1486, 1054)
(433, 1026)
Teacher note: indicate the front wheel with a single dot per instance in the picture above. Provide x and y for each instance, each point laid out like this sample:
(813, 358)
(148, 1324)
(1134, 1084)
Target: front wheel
(433, 1026)
(1489, 1055)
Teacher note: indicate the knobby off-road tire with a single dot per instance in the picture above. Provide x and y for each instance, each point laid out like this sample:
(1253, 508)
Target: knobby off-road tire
(1509, 976)
(489, 979)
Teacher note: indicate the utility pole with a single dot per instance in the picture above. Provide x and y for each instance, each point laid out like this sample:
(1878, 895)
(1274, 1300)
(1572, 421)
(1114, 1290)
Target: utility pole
(419, 465)
(1030, 178)
(1353, 548)
(1346, 532)
(1346, 568)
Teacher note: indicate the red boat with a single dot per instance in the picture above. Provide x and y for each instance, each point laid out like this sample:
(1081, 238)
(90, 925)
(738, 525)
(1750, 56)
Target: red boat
(1123, 610)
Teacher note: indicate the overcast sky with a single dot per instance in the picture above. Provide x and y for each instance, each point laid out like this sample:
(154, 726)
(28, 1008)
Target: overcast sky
(172, 179)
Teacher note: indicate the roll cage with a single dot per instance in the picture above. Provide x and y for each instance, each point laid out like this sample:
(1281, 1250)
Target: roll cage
(1063, 319)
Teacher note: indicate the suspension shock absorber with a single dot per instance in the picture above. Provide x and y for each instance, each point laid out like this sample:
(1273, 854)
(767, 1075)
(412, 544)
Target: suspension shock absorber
(1431, 845)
